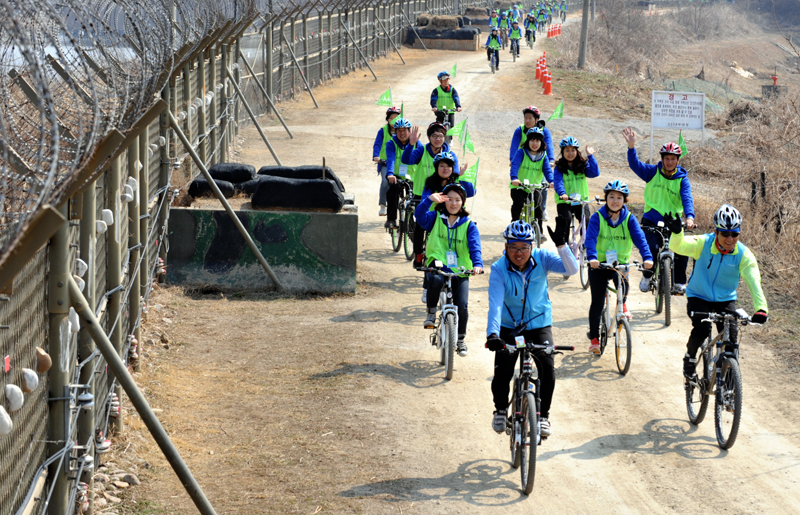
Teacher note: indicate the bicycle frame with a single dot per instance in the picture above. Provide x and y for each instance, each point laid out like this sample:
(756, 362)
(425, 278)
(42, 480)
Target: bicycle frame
(722, 340)
(663, 254)
(620, 270)
(528, 210)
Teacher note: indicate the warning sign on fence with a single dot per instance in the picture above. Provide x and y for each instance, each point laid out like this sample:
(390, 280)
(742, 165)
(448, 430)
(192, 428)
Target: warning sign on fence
(677, 110)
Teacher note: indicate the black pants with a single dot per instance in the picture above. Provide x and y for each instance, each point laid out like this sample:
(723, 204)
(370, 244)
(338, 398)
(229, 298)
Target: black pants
(530, 34)
(701, 330)
(515, 46)
(598, 279)
(460, 287)
(564, 210)
(504, 364)
(518, 199)
(451, 118)
(681, 262)
(496, 56)
(392, 195)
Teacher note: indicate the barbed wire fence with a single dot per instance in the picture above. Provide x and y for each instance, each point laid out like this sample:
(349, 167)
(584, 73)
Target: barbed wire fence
(88, 165)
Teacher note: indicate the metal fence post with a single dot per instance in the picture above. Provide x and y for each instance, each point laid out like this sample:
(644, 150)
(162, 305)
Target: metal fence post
(134, 241)
(224, 126)
(202, 122)
(144, 216)
(268, 51)
(114, 274)
(164, 168)
(212, 64)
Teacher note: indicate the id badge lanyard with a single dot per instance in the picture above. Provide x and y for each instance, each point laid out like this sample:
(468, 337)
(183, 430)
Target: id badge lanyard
(452, 256)
(525, 284)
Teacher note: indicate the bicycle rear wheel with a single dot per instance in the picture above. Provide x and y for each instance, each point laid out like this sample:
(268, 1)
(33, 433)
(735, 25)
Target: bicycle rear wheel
(696, 395)
(728, 408)
(530, 442)
(449, 344)
(622, 346)
(583, 263)
(603, 329)
(408, 242)
(666, 289)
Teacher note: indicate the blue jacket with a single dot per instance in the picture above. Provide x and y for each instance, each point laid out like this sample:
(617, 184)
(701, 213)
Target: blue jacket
(508, 289)
(515, 140)
(634, 229)
(489, 40)
(647, 172)
(413, 156)
(591, 170)
(391, 156)
(435, 96)
(426, 217)
(529, 25)
(378, 145)
(517, 162)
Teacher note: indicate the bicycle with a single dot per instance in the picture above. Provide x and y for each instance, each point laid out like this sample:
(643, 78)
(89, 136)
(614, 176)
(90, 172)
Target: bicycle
(448, 120)
(504, 37)
(523, 424)
(528, 210)
(514, 49)
(619, 323)
(721, 377)
(408, 224)
(529, 34)
(445, 332)
(493, 61)
(577, 238)
(398, 233)
(662, 282)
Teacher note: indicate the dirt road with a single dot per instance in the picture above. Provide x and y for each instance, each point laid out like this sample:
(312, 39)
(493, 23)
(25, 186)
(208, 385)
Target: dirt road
(380, 430)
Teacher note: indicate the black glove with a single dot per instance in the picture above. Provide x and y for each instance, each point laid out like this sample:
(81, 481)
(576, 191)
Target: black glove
(494, 344)
(540, 124)
(559, 236)
(759, 317)
(673, 223)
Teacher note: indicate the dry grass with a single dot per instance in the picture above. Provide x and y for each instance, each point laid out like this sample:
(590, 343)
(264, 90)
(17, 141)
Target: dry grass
(444, 22)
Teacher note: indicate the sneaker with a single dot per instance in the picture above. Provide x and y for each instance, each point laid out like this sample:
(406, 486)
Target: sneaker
(644, 284)
(625, 312)
(424, 295)
(430, 321)
(382, 211)
(499, 421)
(545, 216)
(461, 347)
(544, 427)
(417, 261)
(689, 365)
(680, 289)
(594, 347)
(390, 224)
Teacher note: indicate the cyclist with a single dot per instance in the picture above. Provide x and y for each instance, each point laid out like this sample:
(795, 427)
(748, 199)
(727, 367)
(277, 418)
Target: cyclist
(379, 155)
(530, 27)
(530, 163)
(531, 116)
(515, 34)
(494, 21)
(563, 9)
(454, 240)
(395, 168)
(519, 305)
(493, 45)
(422, 157)
(504, 25)
(514, 14)
(667, 191)
(445, 96)
(720, 260)
(610, 236)
(541, 19)
(569, 177)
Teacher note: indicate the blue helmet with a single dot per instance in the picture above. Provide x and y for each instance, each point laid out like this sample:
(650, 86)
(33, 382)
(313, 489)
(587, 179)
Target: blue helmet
(569, 141)
(518, 231)
(443, 75)
(617, 186)
(444, 156)
(402, 123)
(454, 186)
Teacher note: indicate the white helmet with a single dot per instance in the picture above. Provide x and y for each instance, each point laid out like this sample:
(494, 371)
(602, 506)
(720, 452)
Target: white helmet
(727, 218)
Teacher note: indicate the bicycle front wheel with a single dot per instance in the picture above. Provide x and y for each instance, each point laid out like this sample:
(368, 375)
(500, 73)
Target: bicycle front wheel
(397, 232)
(603, 329)
(583, 268)
(666, 289)
(622, 346)
(515, 444)
(658, 285)
(537, 234)
(449, 344)
(408, 234)
(728, 408)
(697, 395)
(530, 442)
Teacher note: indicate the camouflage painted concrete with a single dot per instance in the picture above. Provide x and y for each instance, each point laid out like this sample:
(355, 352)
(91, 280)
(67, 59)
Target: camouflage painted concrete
(309, 252)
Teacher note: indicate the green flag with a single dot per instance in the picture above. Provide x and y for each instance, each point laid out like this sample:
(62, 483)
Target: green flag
(386, 98)
(401, 110)
(682, 143)
(558, 113)
(453, 71)
(471, 175)
(468, 143)
(464, 133)
(458, 129)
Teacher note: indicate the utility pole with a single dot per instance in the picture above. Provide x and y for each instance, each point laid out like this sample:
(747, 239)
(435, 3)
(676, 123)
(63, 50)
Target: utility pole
(594, 3)
(584, 35)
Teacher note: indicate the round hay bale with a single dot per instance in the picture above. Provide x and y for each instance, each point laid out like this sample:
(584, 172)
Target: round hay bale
(423, 20)
(444, 22)
(476, 12)
(502, 6)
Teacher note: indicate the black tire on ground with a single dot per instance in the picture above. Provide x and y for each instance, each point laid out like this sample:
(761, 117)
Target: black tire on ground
(516, 455)
(449, 344)
(233, 172)
(603, 330)
(530, 443)
(728, 405)
(658, 283)
(397, 233)
(667, 289)
(408, 234)
(584, 270)
(697, 397)
(623, 348)
(201, 188)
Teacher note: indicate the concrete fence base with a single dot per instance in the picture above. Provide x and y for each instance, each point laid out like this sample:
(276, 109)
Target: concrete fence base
(470, 45)
(308, 251)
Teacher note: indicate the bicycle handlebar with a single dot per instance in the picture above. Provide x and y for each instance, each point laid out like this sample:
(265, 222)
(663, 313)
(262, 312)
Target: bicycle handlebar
(549, 349)
(740, 315)
(623, 267)
(438, 271)
(531, 187)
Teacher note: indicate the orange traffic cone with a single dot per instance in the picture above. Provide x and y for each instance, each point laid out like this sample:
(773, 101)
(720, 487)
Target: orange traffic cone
(549, 32)
(543, 76)
(538, 69)
(548, 86)
(559, 29)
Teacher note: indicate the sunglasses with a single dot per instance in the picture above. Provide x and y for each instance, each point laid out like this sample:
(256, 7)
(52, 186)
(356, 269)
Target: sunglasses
(729, 234)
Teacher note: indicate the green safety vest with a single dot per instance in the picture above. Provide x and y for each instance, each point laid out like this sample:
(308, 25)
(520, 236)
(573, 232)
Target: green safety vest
(531, 170)
(386, 137)
(409, 169)
(424, 169)
(493, 21)
(522, 136)
(515, 33)
(614, 238)
(504, 23)
(663, 195)
(541, 17)
(444, 99)
(443, 239)
(574, 183)
(494, 44)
